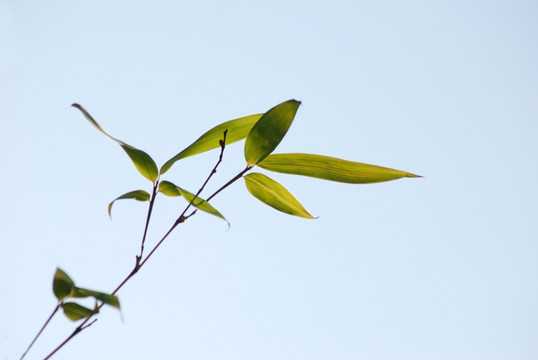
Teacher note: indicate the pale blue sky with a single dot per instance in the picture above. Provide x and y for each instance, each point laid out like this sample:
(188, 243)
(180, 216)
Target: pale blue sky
(443, 267)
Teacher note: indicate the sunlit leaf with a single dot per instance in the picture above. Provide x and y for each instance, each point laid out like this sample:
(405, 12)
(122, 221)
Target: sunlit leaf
(329, 168)
(142, 161)
(139, 195)
(62, 285)
(106, 298)
(267, 133)
(275, 195)
(201, 204)
(168, 189)
(75, 311)
(238, 129)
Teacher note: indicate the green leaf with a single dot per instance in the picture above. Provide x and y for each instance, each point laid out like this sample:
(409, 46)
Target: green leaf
(329, 168)
(139, 195)
(106, 298)
(142, 161)
(238, 129)
(75, 311)
(201, 204)
(275, 195)
(62, 285)
(168, 189)
(267, 133)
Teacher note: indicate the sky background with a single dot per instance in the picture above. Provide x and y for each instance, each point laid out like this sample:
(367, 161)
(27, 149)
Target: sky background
(442, 267)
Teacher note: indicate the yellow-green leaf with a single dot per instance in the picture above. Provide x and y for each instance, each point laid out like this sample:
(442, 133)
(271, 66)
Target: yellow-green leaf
(106, 298)
(62, 285)
(329, 168)
(139, 195)
(267, 133)
(142, 161)
(275, 195)
(238, 129)
(75, 311)
(201, 204)
(168, 189)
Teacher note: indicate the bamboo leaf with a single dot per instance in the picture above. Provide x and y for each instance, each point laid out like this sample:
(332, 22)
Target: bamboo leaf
(75, 311)
(275, 195)
(168, 189)
(238, 129)
(139, 195)
(201, 204)
(329, 168)
(62, 285)
(142, 161)
(267, 133)
(106, 298)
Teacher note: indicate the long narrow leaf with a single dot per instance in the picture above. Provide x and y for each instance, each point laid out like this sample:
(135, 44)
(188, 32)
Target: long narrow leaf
(238, 129)
(329, 168)
(267, 133)
(170, 189)
(275, 195)
(106, 298)
(142, 161)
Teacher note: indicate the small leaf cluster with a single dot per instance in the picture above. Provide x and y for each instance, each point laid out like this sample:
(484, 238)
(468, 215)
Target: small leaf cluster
(64, 288)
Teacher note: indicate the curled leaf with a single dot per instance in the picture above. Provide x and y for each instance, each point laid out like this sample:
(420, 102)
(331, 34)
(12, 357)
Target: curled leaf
(329, 168)
(267, 133)
(62, 285)
(139, 195)
(238, 129)
(75, 311)
(142, 161)
(275, 195)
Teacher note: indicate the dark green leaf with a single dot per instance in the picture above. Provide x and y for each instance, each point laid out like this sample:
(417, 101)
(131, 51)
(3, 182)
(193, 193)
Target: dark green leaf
(75, 311)
(62, 285)
(275, 195)
(106, 298)
(143, 162)
(267, 133)
(139, 195)
(168, 189)
(238, 129)
(328, 168)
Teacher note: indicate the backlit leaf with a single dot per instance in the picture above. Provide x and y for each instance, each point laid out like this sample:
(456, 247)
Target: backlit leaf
(238, 129)
(201, 204)
(142, 161)
(106, 298)
(267, 133)
(139, 195)
(329, 168)
(62, 285)
(75, 311)
(275, 195)
(168, 189)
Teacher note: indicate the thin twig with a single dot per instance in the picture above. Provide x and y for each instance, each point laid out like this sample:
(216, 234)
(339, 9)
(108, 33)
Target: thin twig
(40, 331)
(150, 209)
(140, 263)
